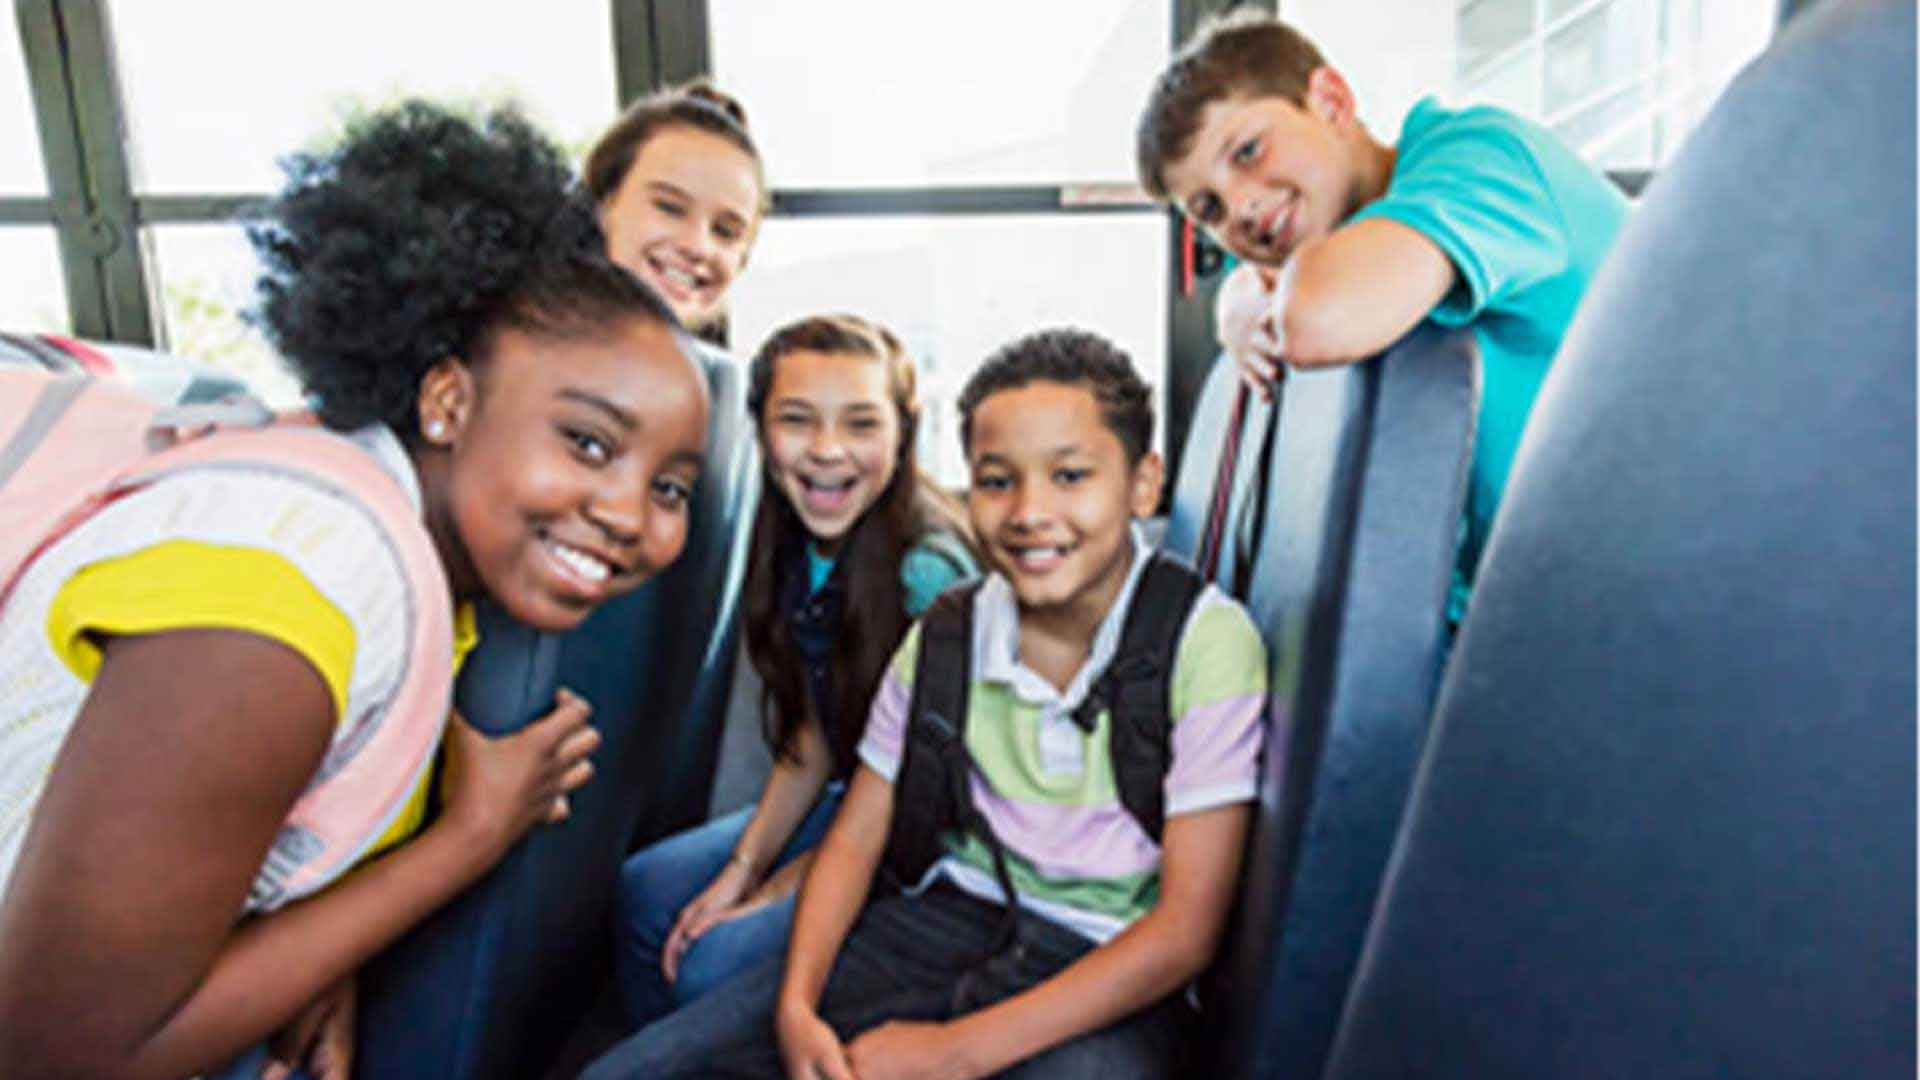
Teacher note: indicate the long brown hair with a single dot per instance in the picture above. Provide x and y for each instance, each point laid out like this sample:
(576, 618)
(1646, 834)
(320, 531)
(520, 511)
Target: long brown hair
(874, 618)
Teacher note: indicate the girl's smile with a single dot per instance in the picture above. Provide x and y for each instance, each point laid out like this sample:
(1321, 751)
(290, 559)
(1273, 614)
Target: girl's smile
(683, 219)
(568, 469)
(832, 437)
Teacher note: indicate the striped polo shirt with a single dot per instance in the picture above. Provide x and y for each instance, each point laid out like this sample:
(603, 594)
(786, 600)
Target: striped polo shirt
(1076, 856)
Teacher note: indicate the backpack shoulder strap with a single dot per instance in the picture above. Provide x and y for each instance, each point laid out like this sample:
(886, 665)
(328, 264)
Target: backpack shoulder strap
(925, 788)
(1138, 686)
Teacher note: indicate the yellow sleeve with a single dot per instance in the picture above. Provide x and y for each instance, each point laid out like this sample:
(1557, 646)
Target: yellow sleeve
(184, 584)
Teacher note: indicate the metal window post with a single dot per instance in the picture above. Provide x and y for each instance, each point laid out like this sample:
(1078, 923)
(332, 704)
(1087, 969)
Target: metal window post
(1191, 347)
(82, 122)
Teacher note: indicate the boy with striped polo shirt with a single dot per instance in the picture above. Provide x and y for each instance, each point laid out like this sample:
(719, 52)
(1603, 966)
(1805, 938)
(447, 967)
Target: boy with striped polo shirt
(1112, 915)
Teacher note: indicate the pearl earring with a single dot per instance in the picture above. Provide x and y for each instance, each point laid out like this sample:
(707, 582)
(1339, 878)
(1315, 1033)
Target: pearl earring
(435, 429)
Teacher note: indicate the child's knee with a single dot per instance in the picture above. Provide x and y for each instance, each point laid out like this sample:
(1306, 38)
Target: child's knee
(706, 964)
(644, 900)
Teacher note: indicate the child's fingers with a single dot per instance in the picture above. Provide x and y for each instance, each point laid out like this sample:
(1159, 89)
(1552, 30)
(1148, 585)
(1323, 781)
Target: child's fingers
(577, 745)
(670, 953)
(576, 775)
(570, 712)
(558, 811)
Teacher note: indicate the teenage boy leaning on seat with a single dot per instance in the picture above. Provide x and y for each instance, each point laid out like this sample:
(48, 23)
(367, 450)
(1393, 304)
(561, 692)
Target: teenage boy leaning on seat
(1475, 217)
(1110, 927)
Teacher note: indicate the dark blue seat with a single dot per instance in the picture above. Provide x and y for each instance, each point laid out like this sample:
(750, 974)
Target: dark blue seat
(492, 985)
(1194, 487)
(1366, 484)
(1665, 825)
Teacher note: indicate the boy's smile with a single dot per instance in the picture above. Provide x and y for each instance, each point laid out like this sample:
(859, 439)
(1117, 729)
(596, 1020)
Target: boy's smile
(1053, 498)
(1264, 175)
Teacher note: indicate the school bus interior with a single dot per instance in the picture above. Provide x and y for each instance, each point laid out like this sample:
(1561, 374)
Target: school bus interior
(1650, 810)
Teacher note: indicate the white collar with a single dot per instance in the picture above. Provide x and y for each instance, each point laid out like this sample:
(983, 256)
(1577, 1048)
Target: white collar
(996, 635)
(379, 441)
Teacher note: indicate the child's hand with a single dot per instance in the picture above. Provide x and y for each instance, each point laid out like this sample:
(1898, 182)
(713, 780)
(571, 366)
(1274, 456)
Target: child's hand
(808, 1047)
(713, 905)
(319, 1041)
(498, 788)
(906, 1050)
(1246, 319)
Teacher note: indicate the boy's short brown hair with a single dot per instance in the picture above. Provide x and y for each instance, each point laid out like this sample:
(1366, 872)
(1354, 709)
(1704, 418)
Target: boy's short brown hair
(1244, 52)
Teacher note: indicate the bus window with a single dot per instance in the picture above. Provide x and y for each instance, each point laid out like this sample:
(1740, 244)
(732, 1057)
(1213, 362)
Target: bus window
(873, 93)
(957, 288)
(1622, 81)
(36, 296)
(193, 134)
(206, 283)
(201, 125)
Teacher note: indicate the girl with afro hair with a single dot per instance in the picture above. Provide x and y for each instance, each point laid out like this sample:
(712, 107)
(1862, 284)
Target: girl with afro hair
(194, 656)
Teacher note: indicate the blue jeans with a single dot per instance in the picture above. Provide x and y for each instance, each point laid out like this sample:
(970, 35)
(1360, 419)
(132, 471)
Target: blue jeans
(657, 882)
(908, 958)
(248, 1066)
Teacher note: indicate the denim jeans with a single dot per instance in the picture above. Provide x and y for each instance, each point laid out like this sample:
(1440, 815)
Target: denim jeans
(908, 958)
(248, 1067)
(660, 880)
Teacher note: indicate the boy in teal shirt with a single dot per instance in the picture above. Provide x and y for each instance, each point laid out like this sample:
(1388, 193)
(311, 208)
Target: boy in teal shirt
(1475, 217)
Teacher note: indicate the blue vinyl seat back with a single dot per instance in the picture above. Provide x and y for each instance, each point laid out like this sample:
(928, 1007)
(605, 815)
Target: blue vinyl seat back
(492, 985)
(1193, 489)
(1366, 487)
(1665, 826)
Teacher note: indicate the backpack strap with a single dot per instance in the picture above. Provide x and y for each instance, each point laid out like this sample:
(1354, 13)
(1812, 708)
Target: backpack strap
(933, 791)
(1137, 687)
(35, 347)
(929, 791)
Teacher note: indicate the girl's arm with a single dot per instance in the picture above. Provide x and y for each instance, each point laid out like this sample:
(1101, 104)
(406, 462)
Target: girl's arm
(118, 949)
(830, 900)
(790, 792)
(1156, 956)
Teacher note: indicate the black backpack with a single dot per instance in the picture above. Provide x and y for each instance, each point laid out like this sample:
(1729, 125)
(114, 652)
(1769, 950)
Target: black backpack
(931, 794)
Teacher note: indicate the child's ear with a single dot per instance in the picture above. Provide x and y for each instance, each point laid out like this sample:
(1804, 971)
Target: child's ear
(1329, 97)
(446, 402)
(1149, 473)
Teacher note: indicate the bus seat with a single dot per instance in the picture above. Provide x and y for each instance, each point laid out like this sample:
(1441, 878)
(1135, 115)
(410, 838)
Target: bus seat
(1665, 824)
(1193, 489)
(1367, 485)
(492, 985)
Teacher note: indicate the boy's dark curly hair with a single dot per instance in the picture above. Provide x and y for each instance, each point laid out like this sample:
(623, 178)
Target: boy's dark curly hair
(1076, 358)
(417, 238)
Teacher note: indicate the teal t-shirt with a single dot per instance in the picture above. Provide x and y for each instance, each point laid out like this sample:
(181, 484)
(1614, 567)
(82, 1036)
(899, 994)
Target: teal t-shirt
(1526, 224)
(927, 570)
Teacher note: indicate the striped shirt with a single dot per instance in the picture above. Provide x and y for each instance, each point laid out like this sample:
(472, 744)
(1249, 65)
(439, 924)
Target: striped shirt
(1076, 856)
(260, 550)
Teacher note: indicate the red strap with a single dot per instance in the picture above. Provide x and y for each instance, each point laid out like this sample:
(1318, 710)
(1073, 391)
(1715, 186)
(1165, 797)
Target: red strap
(93, 360)
(1212, 534)
(1186, 256)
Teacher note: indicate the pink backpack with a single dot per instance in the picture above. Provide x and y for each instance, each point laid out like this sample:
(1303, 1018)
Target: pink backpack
(72, 443)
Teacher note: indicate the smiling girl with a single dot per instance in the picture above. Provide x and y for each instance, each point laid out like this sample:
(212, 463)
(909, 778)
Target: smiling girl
(850, 542)
(681, 193)
(189, 665)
